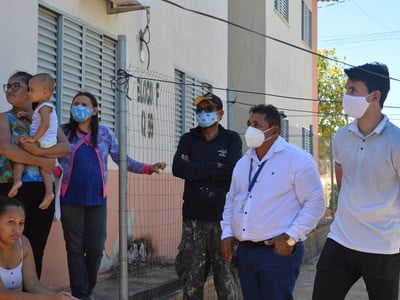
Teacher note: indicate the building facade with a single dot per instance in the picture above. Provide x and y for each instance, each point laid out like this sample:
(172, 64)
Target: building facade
(271, 62)
(171, 55)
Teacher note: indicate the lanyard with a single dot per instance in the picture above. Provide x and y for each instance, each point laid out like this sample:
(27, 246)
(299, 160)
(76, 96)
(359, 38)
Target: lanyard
(253, 181)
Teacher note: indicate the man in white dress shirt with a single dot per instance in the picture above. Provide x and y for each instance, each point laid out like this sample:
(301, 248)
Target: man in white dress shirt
(275, 199)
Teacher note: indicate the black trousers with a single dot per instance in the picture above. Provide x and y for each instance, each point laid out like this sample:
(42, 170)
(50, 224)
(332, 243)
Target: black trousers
(37, 221)
(85, 229)
(339, 268)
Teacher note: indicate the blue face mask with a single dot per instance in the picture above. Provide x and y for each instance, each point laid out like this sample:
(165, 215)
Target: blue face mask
(81, 113)
(207, 119)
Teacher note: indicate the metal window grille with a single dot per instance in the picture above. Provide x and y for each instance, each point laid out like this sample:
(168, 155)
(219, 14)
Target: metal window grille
(285, 129)
(307, 139)
(306, 25)
(282, 7)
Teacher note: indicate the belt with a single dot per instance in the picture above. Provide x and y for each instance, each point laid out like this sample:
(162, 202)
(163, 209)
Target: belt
(252, 244)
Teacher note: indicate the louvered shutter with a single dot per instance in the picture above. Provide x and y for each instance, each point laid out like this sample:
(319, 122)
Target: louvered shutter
(306, 25)
(191, 94)
(285, 129)
(187, 88)
(71, 63)
(109, 58)
(179, 106)
(282, 7)
(80, 58)
(47, 44)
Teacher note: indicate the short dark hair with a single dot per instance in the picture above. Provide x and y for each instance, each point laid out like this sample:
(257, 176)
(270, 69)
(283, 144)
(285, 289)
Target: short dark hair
(24, 76)
(6, 202)
(375, 76)
(272, 115)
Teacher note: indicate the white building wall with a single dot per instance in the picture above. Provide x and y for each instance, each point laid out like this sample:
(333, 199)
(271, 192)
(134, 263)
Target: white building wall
(263, 65)
(247, 54)
(289, 70)
(179, 39)
(19, 40)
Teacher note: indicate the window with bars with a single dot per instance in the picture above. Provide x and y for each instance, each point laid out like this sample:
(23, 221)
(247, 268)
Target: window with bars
(306, 24)
(307, 139)
(80, 58)
(187, 88)
(285, 129)
(282, 7)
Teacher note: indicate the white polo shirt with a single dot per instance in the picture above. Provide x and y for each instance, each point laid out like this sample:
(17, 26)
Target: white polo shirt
(287, 196)
(368, 214)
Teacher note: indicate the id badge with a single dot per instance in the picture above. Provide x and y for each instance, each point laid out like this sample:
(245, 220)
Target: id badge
(242, 203)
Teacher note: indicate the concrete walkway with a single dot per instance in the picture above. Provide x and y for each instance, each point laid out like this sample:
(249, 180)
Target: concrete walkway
(162, 284)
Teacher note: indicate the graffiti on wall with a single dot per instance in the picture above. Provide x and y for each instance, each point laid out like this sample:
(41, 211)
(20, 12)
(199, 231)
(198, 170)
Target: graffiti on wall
(148, 93)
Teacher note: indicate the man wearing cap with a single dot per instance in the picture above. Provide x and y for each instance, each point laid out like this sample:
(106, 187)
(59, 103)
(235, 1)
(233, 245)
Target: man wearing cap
(205, 159)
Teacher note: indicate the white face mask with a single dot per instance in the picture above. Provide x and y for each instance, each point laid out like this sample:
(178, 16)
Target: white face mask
(355, 106)
(255, 137)
(207, 119)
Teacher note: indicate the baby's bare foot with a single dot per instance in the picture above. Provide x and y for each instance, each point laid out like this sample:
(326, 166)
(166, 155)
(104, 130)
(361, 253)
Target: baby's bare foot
(48, 198)
(14, 189)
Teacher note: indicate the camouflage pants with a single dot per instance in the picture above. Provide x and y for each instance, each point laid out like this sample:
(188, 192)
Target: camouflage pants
(199, 250)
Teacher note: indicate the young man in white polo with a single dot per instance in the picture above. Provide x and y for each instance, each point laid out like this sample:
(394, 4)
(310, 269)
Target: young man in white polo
(364, 238)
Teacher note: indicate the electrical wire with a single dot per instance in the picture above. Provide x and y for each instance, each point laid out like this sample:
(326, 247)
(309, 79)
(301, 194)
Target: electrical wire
(123, 74)
(245, 44)
(360, 38)
(330, 4)
(123, 78)
(143, 40)
(274, 39)
(369, 16)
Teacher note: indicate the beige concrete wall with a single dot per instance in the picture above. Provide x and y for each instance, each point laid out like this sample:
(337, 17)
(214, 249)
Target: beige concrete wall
(157, 219)
(315, 76)
(289, 70)
(267, 66)
(247, 54)
(18, 49)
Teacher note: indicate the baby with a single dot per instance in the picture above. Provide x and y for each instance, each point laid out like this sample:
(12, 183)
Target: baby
(43, 131)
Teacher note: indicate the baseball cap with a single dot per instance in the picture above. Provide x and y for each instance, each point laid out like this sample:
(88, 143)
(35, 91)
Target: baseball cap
(215, 100)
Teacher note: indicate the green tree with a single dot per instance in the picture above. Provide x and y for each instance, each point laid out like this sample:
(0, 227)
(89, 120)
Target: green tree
(331, 83)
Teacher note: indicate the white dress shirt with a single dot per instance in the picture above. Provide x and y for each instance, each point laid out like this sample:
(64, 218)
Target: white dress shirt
(286, 198)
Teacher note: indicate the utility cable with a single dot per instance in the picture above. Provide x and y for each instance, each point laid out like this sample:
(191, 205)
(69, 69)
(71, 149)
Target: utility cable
(274, 39)
(123, 78)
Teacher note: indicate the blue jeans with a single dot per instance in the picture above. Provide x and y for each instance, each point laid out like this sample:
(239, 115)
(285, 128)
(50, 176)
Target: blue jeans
(266, 275)
(85, 234)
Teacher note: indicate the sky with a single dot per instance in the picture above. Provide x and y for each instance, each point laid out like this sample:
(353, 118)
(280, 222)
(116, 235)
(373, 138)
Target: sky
(365, 31)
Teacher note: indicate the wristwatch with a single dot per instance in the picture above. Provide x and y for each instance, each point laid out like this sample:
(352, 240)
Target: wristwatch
(289, 240)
